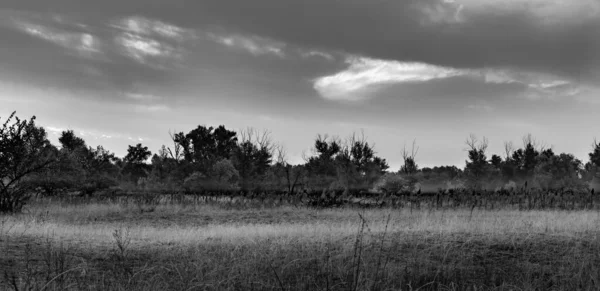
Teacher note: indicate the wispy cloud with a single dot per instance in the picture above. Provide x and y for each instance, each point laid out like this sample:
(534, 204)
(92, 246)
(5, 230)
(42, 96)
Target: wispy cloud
(538, 85)
(440, 12)
(151, 42)
(46, 28)
(145, 26)
(151, 108)
(364, 75)
(252, 44)
(319, 54)
(84, 133)
(142, 97)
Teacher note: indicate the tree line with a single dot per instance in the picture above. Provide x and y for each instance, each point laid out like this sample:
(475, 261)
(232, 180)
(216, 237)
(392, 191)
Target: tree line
(216, 158)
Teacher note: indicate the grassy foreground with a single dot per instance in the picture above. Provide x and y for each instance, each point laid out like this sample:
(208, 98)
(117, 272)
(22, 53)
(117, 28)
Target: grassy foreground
(96, 246)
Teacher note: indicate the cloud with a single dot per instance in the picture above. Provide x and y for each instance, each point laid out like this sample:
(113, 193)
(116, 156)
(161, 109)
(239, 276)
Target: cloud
(151, 108)
(319, 54)
(59, 31)
(537, 85)
(555, 38)
(142, 97)
(57, 131)
(151, 42)
(559, 37)
(364, 75)
(146, 50)
(252, 44)
(442, 12)
(145, 26)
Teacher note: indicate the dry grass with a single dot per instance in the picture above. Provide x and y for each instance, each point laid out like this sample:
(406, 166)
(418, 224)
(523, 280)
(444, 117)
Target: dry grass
(176, 247)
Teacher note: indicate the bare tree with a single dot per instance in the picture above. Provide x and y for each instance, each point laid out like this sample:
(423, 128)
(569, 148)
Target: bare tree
(292, 174)
(509, 148)
(253, 156)
(473, 143)
(410, 165)
(528, 139)
(177, 152)
(261, 139)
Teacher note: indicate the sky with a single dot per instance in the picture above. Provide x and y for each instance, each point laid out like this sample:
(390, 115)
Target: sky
(122, 72)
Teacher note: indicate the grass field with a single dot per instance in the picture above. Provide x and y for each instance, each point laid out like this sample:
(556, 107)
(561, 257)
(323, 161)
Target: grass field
(97, 246)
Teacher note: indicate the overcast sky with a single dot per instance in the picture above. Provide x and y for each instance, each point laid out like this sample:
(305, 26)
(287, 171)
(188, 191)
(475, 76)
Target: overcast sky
(119, 72)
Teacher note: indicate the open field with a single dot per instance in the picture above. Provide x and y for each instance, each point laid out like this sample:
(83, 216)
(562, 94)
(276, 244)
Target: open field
(110, 246)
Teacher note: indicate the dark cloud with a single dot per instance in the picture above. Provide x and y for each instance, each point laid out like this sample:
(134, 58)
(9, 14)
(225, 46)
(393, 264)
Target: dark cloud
(527, 35)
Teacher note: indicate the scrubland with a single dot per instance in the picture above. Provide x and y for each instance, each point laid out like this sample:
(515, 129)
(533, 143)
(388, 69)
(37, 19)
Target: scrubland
(57, 245)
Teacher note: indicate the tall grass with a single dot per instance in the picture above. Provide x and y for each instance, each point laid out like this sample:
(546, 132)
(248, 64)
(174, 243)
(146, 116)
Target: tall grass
(115, 247)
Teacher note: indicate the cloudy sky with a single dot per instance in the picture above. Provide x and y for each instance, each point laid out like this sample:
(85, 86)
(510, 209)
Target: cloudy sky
(122, 72)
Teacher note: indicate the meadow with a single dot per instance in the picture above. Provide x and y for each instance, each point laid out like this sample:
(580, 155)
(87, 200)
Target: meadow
(103, 245)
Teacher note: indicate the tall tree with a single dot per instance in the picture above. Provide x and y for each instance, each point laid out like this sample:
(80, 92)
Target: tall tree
(135, 162)
(595, 154)
(526, 159)
(252, 157)
(292, 174)
(322, 163)
(592, 167)
(477, 167)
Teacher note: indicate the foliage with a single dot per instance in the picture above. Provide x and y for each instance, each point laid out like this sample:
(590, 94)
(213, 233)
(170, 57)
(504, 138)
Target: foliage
(135, 166)
(350, 165)
(80, 168)
(204, 146)
(137, 154)
(559, 171)
(252, 158)
(396, 183)
(24, 151)
(477, 168)
(218, 158)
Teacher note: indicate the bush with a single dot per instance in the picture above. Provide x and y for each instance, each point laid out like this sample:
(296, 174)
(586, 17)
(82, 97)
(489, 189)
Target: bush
(24, 151)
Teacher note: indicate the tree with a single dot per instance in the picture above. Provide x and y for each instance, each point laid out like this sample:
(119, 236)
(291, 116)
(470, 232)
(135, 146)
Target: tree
(24, 151)
(526, 159)
(558, 171)
(204, 146)
(367, 167)
(595, 154)
(496, 161)
(252, 157)
(321, 165)
(135, 162)
(137, 154)
(477, 167)
(350, 164)
(292, 174)
(67, 173)
(592, 167)
(78, 168)
(70, 142)
(101, 169)
(410, 166)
